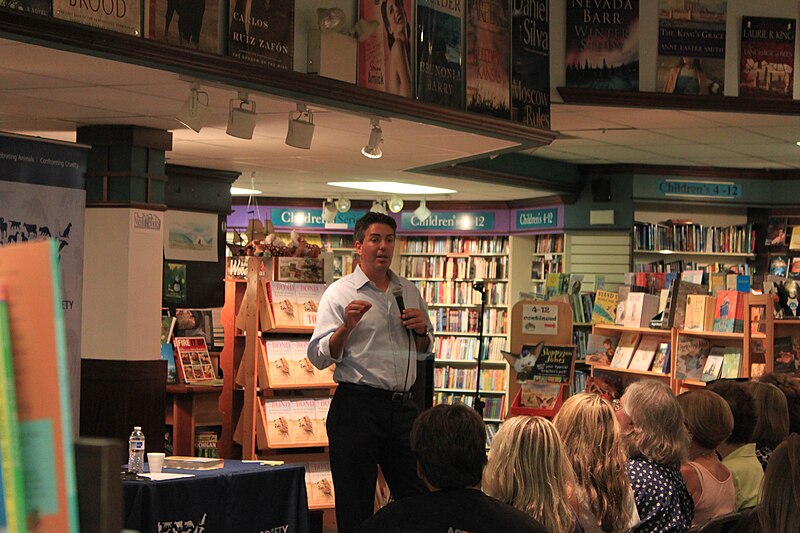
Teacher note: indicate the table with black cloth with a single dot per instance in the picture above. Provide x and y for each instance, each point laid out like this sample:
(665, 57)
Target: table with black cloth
(238, 498)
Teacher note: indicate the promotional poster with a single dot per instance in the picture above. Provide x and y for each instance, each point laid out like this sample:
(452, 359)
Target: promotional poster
(440, 51)
(766, 66)
(530, 63)
(188, 23)
(262, 32)
(384, 58)
(488, 51)
(124, 16)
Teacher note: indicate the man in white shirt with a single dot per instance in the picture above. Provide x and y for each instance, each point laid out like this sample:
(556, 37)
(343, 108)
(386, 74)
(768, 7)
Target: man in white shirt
(360, 328)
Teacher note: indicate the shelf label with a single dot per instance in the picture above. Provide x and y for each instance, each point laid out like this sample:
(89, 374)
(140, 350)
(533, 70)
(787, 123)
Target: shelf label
(540, 319)
(450, 220)
(311, 218)
(536, 218)
(700, 189)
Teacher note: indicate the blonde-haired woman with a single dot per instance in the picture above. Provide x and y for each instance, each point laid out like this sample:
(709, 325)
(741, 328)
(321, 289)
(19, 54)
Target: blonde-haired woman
(772, 419)
(593, 441)
(657, 442)
(529, 470)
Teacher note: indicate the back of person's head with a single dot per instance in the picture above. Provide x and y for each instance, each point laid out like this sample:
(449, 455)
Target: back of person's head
(658, 432)
(780, 498)
(708, 417)
(449, 443)
(790, 386)
(742, 406)
(772, 414)
(370, 218)
(593, 442)
(528, 469)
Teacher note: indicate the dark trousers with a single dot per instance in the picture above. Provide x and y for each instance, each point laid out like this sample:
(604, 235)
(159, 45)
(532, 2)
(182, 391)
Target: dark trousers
(366, 428)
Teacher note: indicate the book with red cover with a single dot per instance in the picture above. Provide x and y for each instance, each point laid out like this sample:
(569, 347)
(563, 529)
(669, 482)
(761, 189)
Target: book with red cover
(193, 359)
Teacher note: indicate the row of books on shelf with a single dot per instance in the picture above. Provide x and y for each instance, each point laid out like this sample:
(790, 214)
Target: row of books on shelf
(689, 237)
(548, 243)
(466, 348)
(288, 364)
(466, 320)
(343, 265)
(697, 359)
(461, 292)
(330, 241)
(294, 304)
(319, 484)
(645, 353)
(297, 422)
(543, 266)
(491, 430)
(492, 409)
(681, 265)
(455, 245)
(448, 377)
(454, 267)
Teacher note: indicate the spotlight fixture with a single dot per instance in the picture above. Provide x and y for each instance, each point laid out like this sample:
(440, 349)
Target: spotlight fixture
(329, 211)
(378, 207)
(241, 118)
(343, 204)
(395, 204)
(373, 147)
(195, 111)
(300, 131)
(422, 212)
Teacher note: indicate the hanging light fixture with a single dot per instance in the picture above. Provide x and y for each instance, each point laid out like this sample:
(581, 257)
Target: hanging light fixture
(395, 204)
(241, 118)
(343, 204)
(329, 211)
(301, 128)
(373, 147)
(378, 207)
(422, 212)
(195, 111)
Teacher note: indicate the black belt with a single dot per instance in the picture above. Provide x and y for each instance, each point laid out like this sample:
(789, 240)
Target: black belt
(395, 396)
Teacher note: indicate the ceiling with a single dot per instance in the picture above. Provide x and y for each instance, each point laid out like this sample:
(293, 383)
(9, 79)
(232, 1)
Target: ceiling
(48, 93)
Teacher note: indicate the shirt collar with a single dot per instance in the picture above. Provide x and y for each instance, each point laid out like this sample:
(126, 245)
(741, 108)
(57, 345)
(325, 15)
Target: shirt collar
(747, 450)
(360, 279)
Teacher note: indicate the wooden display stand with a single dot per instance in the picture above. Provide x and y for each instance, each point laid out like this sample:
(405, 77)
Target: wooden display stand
(562, 336)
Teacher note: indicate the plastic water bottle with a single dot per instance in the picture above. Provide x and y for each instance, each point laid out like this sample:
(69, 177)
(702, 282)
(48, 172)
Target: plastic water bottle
(136, 451)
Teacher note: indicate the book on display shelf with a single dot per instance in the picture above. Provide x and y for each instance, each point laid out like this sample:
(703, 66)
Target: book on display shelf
(776, 231)
(605, 307)
(193, 360)
(600, 348)
(624, 352)
(661, 358)
(690, 357)
(731, 363)
(713, 364)
(645, 353)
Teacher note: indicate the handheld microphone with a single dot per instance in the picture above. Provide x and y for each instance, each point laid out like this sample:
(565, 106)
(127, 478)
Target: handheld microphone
(397, 292)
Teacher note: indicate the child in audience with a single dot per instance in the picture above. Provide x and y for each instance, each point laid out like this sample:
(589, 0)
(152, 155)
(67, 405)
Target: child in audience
(709, 421)
(739, 451)
(593, 442)
(772, 419)
(657, 442)
(529, 470)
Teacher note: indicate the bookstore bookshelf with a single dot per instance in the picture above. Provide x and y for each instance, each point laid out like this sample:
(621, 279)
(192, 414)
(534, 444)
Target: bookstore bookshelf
(343, 251)
(547, 258)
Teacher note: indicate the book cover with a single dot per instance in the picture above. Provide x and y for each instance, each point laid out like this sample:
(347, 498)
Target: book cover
(539, 395)
(675, 311)
(193, 359)
(713, 365)
(554, 364)
(304, 269)
(195, 323)
(624, 352)
(690, 357)
(732, 360)
(12, 488)
(262, 32)
(168, 355)
(638, 309)
(167, 328)
(322, 491)
(41, 381)
(488, 57)
(307, 298)
(776, 231)
(321, 408)
(785, 355)
(778, 266)
(440, 53)
(605, 307)
(694, 319)
(306, 373)
(279, 370)
(602, 45)
(794, 268)
(600, 349)
(645, 353)
(302, 429)
(384, 58)
(189, 23)
(121, 16)
(530, 63)
(725, 311)
(691, 47)
(282, 297)
(660, 362)
(794, 242)
(766, 65)
(278, 413)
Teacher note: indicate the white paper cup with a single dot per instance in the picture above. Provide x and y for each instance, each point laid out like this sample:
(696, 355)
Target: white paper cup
(156, 462)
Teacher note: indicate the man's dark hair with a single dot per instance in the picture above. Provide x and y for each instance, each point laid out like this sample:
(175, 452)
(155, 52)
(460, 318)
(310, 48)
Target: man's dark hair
(790, 386)
(369, 219)
(742, 406)
(449, 442)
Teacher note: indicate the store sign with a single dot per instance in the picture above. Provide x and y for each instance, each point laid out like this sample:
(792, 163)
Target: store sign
(536, 218)
(700, 189)
(450, 221)
(311, 218)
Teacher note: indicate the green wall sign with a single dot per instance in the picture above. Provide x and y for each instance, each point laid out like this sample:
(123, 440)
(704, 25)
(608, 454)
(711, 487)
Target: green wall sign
(311, 218)
(450, 221)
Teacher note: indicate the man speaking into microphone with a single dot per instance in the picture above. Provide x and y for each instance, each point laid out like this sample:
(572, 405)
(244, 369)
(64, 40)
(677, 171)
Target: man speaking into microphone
(372, 324)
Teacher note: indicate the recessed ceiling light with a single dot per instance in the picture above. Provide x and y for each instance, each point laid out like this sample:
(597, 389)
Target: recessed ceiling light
(391, 187)
(798, 143)
(240, 191)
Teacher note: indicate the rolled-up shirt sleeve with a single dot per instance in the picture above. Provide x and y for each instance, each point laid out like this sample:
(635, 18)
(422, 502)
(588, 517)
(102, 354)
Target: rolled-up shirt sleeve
(329, 317)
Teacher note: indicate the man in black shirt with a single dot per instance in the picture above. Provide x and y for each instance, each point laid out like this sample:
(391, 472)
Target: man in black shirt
(449, 443)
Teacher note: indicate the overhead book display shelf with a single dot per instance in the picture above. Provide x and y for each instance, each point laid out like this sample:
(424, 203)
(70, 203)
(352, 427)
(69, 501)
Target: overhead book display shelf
(273, 398)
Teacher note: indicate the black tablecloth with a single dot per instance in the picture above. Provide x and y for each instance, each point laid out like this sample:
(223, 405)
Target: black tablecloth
(239, 498)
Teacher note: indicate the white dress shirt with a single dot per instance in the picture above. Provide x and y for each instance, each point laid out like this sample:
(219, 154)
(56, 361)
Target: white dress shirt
(380, 351)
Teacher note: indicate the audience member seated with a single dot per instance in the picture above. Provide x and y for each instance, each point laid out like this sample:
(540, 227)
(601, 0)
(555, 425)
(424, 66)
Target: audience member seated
(739, 451)
(779, 510)
(593, 442)
(529, 470)
(772, 419)
(709, 421)
(449, 443)
(656, 441)
(790, 386)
